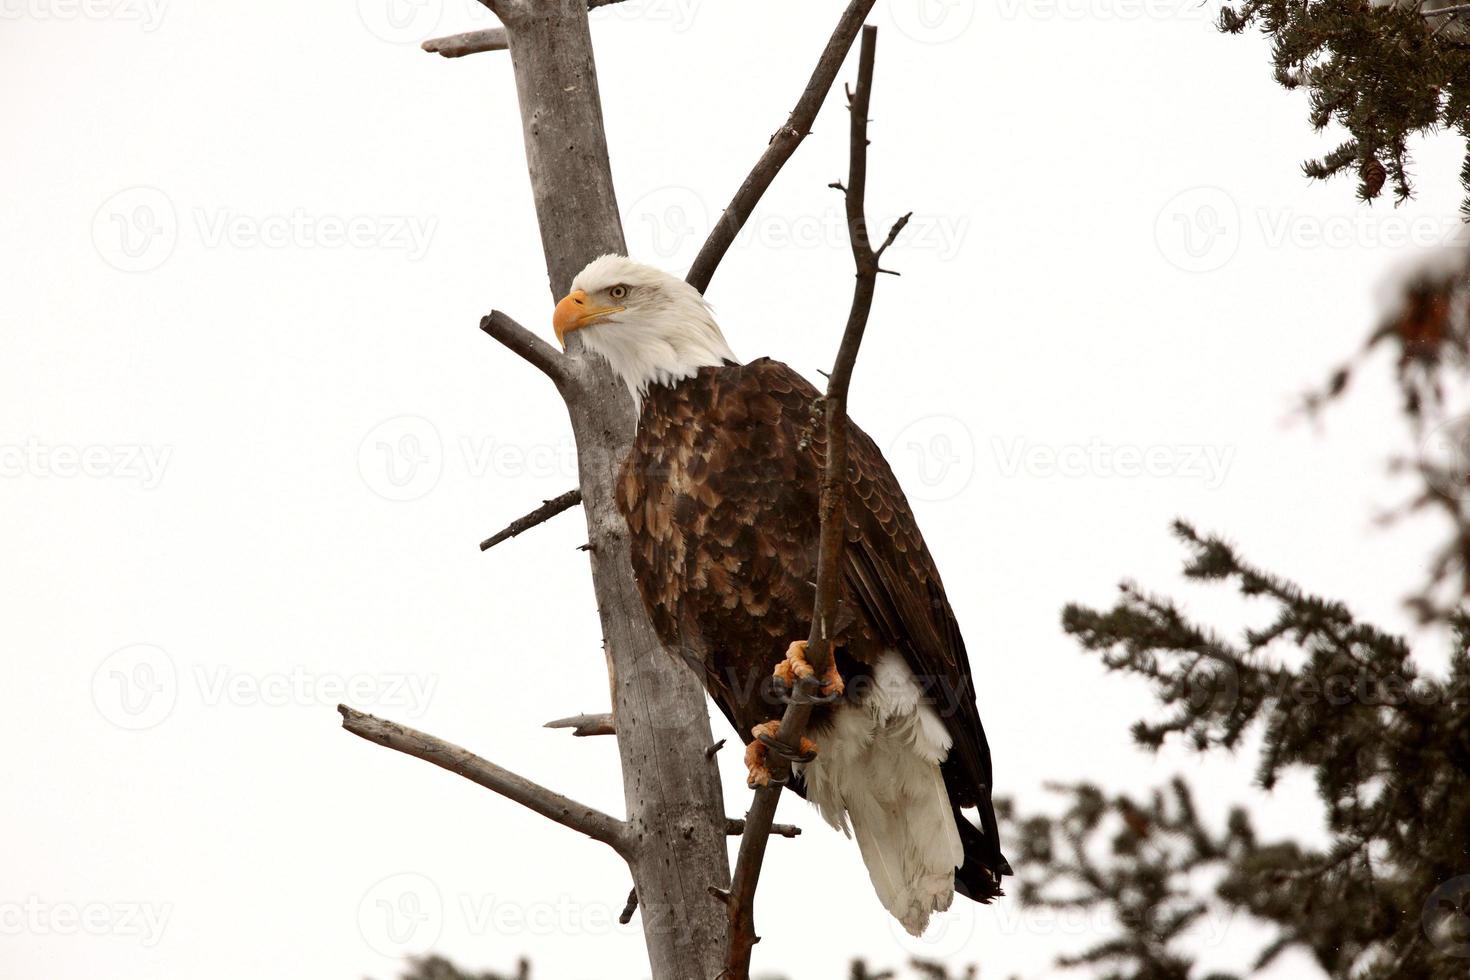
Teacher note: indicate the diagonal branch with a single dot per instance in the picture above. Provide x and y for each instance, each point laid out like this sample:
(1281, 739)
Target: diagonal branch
(550, 804)
(783, 144)
(547, 510)
(536, 351)
(740, 902)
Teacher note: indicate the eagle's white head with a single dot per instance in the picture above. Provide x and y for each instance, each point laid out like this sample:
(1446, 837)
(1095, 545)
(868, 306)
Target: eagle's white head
(652, 327)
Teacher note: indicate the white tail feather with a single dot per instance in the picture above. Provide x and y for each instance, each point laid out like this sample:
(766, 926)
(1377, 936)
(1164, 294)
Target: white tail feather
(877, 778)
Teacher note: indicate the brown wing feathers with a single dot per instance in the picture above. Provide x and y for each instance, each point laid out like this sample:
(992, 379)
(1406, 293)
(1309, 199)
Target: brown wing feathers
(720, 493)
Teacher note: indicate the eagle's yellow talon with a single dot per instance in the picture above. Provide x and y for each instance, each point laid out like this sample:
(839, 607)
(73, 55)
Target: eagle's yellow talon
(795, 666)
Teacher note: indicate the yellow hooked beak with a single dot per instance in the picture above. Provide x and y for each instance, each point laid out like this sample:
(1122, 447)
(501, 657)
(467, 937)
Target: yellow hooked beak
(575, 312)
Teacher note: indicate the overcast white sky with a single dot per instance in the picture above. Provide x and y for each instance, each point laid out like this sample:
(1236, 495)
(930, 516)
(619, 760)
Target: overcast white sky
(251, 437)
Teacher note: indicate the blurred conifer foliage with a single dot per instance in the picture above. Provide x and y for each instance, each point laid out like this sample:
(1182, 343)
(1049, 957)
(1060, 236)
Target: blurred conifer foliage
(1384, 71)
(1386, 743)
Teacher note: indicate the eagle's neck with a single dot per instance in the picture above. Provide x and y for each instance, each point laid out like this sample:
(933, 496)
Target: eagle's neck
(667, 403)
(660, 347)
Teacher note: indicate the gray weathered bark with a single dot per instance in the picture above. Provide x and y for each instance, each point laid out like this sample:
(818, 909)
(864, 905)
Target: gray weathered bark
(675, 810)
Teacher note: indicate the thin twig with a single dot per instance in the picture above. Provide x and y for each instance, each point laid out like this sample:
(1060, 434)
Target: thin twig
(740, 903)
(626, 915)
(532, 348)
(734, 827)
(783, 144)
(547, 510)
(549, 803)
(585, 725)
(471, 42)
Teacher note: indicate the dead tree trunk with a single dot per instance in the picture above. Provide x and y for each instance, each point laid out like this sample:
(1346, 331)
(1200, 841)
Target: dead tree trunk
(675, 812)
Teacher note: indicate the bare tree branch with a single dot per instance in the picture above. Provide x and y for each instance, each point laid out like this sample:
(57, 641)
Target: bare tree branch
(547, 510)
(735, 827)
(471, 42)
(740, 902)
(550, 804)
(585, 725)
(783, 144)
(536, 351)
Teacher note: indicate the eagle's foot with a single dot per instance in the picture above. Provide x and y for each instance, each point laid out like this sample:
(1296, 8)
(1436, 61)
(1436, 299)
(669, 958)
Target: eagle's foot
(795, 667)
(765, 742)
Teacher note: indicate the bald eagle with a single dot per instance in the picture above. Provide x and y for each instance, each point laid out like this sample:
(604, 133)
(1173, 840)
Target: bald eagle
(720, 494)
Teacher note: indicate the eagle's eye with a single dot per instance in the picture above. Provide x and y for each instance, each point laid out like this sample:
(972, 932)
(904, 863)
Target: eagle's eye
(618, 292)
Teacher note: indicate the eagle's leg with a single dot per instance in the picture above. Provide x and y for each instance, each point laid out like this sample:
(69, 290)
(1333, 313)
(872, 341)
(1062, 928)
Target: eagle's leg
(795, 666)
(758, 773)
